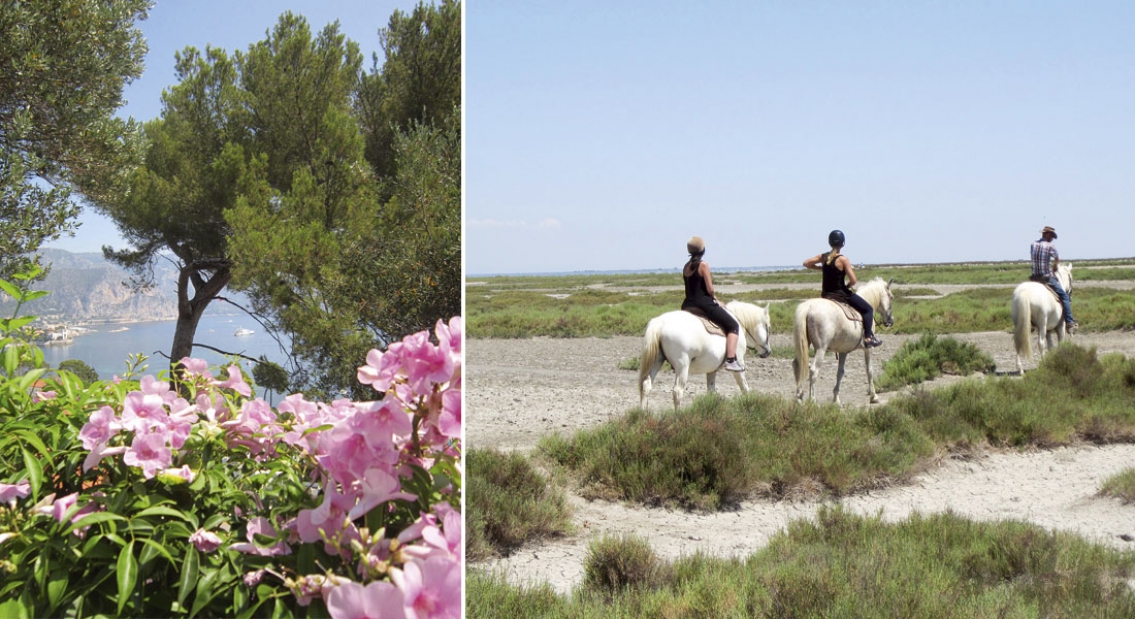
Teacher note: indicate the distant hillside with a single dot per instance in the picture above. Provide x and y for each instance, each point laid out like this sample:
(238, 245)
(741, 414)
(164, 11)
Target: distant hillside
(87, 288)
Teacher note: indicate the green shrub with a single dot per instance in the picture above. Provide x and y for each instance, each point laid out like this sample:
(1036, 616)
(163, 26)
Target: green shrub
(1121, 486)
(929, 357)
(509, 503)
(617, 563)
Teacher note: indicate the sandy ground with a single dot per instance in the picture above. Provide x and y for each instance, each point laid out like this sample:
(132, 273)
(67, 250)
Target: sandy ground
(520, 390)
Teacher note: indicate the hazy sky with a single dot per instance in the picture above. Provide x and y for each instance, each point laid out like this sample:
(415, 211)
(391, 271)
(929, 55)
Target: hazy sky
(232, 25)
(601, 135)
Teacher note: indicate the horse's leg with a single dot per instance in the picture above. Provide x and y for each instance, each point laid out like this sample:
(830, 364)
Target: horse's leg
(841, 357)
(648, 382)
(681, 375)
(742, 384)
(1042, 334)
(711, 382)
(872, 397)
(814, 371)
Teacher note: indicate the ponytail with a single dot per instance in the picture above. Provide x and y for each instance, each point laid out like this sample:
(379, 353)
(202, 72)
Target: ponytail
(832, 255)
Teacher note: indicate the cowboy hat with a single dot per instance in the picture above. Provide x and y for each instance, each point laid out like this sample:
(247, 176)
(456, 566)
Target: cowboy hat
(1048, 229)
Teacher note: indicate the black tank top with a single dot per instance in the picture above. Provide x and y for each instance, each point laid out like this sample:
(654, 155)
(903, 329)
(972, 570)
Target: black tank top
(696, 292)
(833, 279)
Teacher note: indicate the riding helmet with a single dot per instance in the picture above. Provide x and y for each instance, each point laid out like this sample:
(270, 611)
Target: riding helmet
(836, 238)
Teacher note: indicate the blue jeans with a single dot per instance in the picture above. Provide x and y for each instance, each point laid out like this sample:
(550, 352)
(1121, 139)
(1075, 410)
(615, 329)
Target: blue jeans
(1064, 298)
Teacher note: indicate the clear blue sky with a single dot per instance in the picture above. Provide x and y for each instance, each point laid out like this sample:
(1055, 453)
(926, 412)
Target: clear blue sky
(601, 135)
(232, 25)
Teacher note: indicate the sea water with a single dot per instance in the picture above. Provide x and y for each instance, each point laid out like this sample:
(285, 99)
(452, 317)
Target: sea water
(106, 346)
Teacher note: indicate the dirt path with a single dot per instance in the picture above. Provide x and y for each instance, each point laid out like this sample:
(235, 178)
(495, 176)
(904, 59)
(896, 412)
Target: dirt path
(520, 390)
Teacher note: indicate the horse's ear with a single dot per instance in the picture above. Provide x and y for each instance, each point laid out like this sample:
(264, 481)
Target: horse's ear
(889, 282)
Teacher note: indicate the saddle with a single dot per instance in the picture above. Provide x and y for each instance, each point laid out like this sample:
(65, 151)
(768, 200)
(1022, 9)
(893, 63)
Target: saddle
(851, 313)
(1041, 279)
(711, 327)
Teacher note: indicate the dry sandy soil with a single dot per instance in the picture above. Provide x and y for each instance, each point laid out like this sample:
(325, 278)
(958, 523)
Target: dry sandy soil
(520, 390)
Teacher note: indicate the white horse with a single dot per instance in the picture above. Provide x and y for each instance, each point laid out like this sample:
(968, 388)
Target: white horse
(822, 324)
(680, 338)
(1035, 307)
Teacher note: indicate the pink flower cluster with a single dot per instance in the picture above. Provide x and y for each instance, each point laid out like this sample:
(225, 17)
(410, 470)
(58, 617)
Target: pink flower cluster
(362, 450)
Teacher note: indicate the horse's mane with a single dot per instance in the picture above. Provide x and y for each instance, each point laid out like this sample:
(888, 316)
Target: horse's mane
(872, 290)
(747, 313)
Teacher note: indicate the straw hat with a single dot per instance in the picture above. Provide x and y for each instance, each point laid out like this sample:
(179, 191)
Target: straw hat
(1048, 229)
(695, 245)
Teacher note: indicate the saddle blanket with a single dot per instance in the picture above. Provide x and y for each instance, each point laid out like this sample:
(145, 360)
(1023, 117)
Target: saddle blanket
(851, 313)
(710, 327)
(1043, 281)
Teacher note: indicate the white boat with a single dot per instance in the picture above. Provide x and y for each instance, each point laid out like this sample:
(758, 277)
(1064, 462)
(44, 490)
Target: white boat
(242, 331)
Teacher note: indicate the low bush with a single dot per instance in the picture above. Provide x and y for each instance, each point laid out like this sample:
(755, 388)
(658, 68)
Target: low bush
(1121, 486)
(929, 357)
(509, 503)
(617, 563)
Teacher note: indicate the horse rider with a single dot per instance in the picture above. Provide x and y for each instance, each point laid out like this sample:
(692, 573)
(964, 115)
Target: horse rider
(1046, 260)
(836, 267)
(699, 294)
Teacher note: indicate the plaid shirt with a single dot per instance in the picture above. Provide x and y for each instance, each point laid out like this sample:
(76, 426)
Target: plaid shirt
(1043, 254)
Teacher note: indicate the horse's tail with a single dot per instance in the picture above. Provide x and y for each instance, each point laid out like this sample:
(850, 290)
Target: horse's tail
(800, 341)
(1022, 323)
(651, 350)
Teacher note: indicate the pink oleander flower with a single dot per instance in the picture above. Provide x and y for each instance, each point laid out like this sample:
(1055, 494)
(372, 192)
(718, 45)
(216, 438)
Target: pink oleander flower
(380, 370)
(379, 422)
(152, 386)
(351, 600)
(177, 476)
(308, 588)
(102, 425)
(424, 363)
(447, 539)
(253, 578)
(142, 411)
(450, 336)
(43, 396)
(235, 382)
(196, 367)
(100, 451)
(149, 452)
(449, 421)
(10, 492)
(205, 541)
(431, 588)
(60, 507)
(261, 526)
(378, 487)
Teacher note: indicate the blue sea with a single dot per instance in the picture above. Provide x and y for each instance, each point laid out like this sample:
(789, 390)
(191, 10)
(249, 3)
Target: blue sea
(107, 346)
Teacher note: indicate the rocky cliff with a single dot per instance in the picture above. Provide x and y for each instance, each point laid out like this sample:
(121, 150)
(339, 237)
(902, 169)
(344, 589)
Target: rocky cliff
(85, 288)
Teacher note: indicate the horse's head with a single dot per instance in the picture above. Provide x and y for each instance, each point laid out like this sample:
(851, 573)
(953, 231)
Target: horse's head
(754, 319)
(878, 294)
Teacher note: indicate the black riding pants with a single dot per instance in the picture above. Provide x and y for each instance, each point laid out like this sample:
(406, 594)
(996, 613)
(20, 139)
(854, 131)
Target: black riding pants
(863, 307)
(718, 315)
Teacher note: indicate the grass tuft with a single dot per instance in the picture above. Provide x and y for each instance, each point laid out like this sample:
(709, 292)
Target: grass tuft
(509, 503)
(617, 563)
(929, 357)
(1121, 486)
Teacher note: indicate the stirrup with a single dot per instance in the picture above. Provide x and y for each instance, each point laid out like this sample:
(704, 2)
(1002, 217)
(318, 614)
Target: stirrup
(873, 342)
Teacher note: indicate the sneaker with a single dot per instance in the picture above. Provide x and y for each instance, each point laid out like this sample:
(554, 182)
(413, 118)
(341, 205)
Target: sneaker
(1071, 326)
(734, 365)
(873, 342)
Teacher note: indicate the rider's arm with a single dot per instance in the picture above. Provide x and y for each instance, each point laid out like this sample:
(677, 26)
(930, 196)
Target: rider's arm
(1055, 259)
(851, 280)
(815, 262)
(703, 270)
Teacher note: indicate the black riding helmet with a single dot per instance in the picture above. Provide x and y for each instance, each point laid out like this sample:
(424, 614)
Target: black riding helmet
(836, 238)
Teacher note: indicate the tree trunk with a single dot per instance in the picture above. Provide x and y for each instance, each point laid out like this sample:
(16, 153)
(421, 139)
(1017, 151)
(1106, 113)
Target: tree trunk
(189, 311)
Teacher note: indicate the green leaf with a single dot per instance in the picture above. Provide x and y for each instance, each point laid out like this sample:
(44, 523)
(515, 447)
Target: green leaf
(35, 294)
(11, 290)
(162, 510)
(188, 580)
(13, 608)
(92, 519)
(35, 472)
(56, 588)
(17, 323)
(152, 550)
(11, 360)
(127, 575)
(205, 592)
(27, 380)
